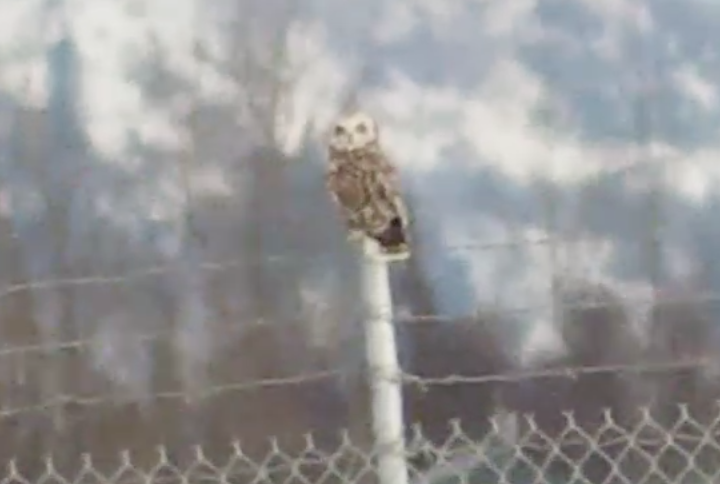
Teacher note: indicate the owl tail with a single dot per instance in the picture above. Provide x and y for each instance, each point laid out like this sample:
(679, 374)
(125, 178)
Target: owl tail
(394, 242)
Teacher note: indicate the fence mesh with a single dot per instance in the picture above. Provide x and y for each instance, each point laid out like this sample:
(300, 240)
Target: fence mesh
(513, 449)
(185, 309)
(467, 421)
(472, 414)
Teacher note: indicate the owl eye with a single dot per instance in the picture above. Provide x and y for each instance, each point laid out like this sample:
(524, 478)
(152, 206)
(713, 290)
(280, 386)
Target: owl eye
(362, 129)
(339, 130)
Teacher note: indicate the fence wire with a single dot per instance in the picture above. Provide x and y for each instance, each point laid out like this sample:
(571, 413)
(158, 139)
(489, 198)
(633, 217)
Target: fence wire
(510, 447)
(463, 424)
(513, 450)
(469, 415)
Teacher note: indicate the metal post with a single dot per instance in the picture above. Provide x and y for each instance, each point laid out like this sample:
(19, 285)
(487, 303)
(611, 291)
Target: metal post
(384, 369)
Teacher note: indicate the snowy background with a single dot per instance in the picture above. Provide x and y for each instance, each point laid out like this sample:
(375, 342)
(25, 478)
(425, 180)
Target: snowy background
(170, 153)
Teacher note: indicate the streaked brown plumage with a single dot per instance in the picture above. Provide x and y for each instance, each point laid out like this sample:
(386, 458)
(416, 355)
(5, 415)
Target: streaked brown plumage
(365, 186)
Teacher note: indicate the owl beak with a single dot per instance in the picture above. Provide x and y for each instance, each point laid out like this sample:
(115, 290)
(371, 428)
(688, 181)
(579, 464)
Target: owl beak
(348, 140)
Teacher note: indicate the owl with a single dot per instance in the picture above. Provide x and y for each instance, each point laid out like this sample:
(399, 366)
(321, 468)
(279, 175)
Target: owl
(365, 187)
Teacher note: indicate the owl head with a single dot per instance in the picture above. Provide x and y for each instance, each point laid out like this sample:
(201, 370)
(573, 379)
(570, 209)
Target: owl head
(356, 131)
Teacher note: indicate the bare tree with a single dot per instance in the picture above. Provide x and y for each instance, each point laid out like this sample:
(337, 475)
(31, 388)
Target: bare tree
(685, 400)
(596, 331)
(267, 226)
(470, 347)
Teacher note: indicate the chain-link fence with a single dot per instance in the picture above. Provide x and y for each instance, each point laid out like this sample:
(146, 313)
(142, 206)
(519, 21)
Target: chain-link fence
(514, 449)
(467, 418)
(177, 302)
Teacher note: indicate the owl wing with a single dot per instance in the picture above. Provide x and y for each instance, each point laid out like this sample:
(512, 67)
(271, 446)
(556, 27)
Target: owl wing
(367, 192)
(385, 193)
(381, 162)
(344, 189)
(388, 186)
(334, 183)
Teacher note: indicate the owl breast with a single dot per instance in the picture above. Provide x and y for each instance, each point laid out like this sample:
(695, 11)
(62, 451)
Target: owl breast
(350, 188)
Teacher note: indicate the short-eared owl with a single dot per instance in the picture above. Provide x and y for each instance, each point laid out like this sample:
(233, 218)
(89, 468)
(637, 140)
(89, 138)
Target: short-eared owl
(364, 185)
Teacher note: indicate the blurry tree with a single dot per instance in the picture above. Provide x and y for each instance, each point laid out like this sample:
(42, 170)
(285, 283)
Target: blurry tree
(259, 215)
(685, 401)
(50, 157)
(596, 331)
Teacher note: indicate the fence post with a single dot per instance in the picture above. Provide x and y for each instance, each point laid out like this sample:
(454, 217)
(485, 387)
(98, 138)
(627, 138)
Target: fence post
(384, 369)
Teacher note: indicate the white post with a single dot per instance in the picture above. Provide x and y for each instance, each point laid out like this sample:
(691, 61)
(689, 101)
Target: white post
(385, 372)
